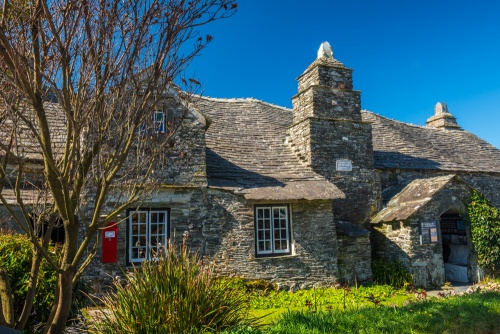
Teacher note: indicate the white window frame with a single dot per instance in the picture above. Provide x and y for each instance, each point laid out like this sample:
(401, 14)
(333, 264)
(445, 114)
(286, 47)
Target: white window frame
(143, 218)
(272, 229)
(159, 126)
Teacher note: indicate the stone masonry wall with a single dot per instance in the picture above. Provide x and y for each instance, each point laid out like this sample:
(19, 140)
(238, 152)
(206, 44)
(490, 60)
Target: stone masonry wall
(326, 128)
(184, 162)
(299, 138)
(400, 240)
(230, 243)
(354, 259)
(327, 102)
(187, 213)
(334, 140)
(326, 73)
(182, 173)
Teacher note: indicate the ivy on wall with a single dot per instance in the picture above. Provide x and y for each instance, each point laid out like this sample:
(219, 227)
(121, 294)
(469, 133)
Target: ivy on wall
(485, 231)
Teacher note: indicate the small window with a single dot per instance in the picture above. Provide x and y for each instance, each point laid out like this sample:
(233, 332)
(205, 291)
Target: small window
(155, 124)
(159, 122)
(272, 230)
(147, 230)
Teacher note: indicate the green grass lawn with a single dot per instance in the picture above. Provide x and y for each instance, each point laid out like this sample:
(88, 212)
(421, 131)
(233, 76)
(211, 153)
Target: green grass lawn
(478, 313)
(378, 309)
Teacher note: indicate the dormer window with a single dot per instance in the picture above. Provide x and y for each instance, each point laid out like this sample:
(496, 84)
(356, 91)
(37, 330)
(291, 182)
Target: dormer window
(159, 121)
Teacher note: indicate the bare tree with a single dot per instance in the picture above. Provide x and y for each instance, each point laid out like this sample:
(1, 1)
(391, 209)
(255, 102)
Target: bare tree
(79, 80)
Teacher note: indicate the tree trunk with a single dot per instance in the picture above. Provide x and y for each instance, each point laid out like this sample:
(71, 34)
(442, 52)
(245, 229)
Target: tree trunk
(30, 295)
(6, 302)
(59, 316)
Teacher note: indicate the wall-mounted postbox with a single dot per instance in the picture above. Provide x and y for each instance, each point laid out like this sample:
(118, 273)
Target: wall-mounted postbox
(110, 243)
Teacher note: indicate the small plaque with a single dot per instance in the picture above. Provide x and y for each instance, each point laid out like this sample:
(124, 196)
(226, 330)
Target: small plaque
(425, 237)
(429, 225)
(109, 234)
(429, 232)
(434, 234)
(344, 165)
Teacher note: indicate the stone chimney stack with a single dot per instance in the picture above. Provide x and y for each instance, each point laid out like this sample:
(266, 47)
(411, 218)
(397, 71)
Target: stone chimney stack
(442, 118)
(329, 135)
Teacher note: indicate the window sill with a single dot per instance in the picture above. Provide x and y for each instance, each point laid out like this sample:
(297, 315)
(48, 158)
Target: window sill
(285, 256)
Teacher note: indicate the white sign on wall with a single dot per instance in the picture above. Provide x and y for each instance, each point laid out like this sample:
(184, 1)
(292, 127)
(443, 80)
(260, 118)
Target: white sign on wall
(344, 165)
(109, 234)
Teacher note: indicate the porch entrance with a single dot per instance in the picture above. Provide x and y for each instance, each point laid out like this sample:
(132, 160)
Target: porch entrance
(456, 247)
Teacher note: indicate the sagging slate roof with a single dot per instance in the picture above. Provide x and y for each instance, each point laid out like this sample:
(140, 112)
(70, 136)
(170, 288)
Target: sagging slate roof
(404, 203)
(246, 152)
(27, 143)
(405, 146)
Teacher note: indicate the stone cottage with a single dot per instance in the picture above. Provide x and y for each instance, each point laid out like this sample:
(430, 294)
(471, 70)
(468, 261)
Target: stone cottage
(310, 195)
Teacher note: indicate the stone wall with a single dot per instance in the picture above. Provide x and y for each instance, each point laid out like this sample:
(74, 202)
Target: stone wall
(230, 243)
(183, 161)
(299, 139)
(181, 172)
(327, 128)
(327, 102)
(333, 140)
(400, 240)
(187, 213)
(355, 253)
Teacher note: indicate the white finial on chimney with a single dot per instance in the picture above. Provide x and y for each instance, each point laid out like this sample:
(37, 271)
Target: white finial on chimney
(325, 50)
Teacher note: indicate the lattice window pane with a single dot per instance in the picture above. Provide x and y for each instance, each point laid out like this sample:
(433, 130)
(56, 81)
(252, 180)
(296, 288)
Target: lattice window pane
(148, 229)
(272, 230)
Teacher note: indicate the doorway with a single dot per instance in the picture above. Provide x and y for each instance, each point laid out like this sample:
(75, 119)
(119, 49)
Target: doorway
(456, 247)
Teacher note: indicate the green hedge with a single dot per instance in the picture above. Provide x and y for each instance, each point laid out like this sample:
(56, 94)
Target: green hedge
(15, 256)
(485, 231)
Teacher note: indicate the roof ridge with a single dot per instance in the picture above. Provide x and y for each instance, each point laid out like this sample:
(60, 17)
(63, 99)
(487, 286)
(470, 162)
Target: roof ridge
(398, 121)
(243, 99)
(437, 130)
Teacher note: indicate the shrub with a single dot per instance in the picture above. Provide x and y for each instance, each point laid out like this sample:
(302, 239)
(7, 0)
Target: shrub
(15, 256)
(250, 286)
(259, 285)
(391, 273)
(174, 294)
(485, 231)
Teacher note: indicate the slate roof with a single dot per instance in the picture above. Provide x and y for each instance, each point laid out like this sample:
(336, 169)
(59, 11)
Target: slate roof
(405, 146)
(246, 152)
(29, 196)
(410, 199)
(28, 144)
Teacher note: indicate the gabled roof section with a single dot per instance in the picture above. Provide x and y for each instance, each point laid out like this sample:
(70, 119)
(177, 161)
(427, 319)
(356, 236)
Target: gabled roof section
(411, 198)
(405, 146)
(246, 153)
(28, 146)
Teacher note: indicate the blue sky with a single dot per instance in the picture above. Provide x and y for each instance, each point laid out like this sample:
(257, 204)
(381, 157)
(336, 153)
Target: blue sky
(406, 55)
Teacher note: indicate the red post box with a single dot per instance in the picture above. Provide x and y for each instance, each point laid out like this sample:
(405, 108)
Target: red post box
(110, 243)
